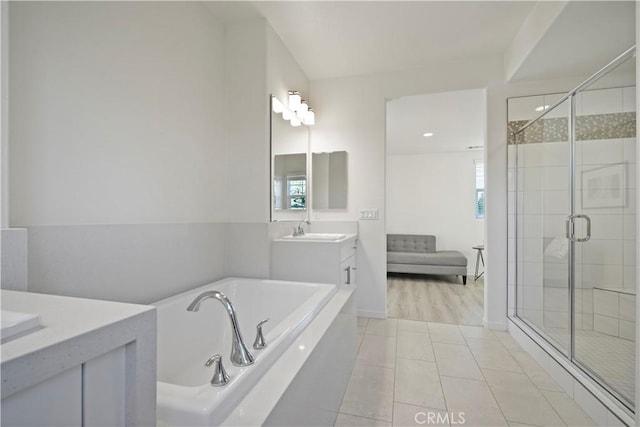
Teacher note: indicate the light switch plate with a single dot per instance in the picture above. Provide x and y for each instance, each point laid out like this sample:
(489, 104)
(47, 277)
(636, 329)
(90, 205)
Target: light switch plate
(369, 214)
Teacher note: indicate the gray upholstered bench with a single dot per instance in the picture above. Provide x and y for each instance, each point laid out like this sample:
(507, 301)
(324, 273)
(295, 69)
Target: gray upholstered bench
(412, 253)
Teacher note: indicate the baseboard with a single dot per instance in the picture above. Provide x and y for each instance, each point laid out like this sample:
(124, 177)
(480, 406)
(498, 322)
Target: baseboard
(372, 314)
(497, 326)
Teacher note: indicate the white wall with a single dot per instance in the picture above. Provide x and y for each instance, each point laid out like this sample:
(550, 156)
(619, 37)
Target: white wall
(434, 193)
(4, 114)
(351, 116)
(116, 114)
(258, 65)
(117, 146)
(157, 132)
(247, 121)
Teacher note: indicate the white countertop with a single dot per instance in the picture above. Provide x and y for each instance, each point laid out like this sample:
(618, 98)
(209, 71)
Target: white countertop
(346, 237)
(74, 330)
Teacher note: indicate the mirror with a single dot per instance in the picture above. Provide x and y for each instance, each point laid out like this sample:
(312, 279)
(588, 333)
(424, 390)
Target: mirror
(289, 190)
(290, 182)
(329, 180)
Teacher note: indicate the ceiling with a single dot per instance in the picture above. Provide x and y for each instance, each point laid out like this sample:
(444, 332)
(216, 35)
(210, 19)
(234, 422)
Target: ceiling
(584, 37)
(343, 38)
(456, 119)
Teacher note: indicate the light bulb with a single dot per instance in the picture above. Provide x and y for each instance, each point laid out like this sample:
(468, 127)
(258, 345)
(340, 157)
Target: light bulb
(295, 121)
(287, 114)
(302, 110)
(309, 118)
(294, 100)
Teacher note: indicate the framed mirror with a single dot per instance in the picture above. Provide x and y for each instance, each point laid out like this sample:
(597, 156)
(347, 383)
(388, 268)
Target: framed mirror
(289, 180)
(329, 180)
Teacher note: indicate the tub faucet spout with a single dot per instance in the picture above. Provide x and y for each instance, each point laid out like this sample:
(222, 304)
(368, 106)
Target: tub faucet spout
(240, 355)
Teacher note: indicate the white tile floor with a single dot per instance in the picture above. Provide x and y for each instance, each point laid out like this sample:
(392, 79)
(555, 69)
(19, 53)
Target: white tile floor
(419, 373)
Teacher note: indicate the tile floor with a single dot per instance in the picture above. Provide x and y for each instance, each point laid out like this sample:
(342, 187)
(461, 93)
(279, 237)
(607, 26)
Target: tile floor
(443, 373)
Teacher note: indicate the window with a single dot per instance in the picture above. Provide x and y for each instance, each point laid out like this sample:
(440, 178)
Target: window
(297, 191)
(479, 190)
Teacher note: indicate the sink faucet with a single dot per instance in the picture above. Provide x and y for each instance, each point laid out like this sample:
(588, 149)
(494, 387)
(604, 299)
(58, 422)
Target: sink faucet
(240, 355)
(299, 231)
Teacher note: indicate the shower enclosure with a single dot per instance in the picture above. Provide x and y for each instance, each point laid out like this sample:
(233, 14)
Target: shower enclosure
(572, 223)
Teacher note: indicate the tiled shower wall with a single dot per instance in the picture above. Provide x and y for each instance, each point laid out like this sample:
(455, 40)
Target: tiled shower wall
(606, 131)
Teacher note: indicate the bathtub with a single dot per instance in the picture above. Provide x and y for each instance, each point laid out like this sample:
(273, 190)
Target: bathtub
(187, 339)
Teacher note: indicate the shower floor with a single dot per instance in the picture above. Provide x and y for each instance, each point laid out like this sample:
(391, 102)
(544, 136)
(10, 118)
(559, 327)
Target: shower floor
(611, 358)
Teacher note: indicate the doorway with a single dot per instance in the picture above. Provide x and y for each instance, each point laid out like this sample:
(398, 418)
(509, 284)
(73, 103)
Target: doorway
(435, 187)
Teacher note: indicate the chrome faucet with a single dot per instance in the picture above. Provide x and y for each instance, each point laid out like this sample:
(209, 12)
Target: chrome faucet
(299, 231)
(240, 355)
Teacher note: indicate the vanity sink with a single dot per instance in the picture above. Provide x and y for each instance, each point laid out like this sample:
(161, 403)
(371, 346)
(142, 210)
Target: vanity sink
(318, 236)
(14, 323)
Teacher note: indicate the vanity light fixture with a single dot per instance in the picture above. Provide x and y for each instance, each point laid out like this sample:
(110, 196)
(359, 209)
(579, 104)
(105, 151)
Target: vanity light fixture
(297, 112)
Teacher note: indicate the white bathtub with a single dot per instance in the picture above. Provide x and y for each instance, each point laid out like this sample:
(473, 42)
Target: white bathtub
(187, 339)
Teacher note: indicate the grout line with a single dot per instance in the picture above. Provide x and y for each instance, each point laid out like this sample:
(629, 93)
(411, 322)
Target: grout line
(554, 409)
(365, 418)
(435, 359)
(395, 373)
(489, 387)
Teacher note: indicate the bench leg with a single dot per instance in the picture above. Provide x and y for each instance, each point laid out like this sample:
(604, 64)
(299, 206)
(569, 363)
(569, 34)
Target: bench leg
(464, 280)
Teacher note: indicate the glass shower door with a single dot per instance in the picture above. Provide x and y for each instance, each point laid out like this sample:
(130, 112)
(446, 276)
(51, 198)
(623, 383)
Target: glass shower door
(542, 205)
(572, 194)
(605, 282)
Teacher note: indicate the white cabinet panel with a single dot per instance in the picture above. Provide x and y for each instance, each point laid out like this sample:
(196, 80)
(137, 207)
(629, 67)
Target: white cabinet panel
(54, 402)
(105, 389)
(315, 262)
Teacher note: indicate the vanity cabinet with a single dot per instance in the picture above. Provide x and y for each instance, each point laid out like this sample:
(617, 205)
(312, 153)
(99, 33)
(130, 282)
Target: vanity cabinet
(90, 363)
(315, 261)
(92, 393)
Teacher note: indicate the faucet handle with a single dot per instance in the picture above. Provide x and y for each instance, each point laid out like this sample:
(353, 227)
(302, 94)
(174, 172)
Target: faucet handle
(220, 376)
(259, 342)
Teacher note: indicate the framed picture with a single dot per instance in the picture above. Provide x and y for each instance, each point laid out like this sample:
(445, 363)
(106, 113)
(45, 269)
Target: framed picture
(605, 187)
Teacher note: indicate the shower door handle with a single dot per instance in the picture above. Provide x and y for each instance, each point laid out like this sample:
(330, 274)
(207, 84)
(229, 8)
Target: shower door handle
(570, 228)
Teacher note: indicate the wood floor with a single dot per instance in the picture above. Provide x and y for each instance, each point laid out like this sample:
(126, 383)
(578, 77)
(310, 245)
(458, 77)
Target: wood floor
(441, 299)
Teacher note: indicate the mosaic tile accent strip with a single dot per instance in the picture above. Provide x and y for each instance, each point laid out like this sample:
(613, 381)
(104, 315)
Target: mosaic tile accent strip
(597, 126)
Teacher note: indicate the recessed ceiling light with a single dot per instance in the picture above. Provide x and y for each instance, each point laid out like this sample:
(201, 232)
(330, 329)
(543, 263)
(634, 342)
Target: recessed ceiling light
(427, 134)
(542, 108)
